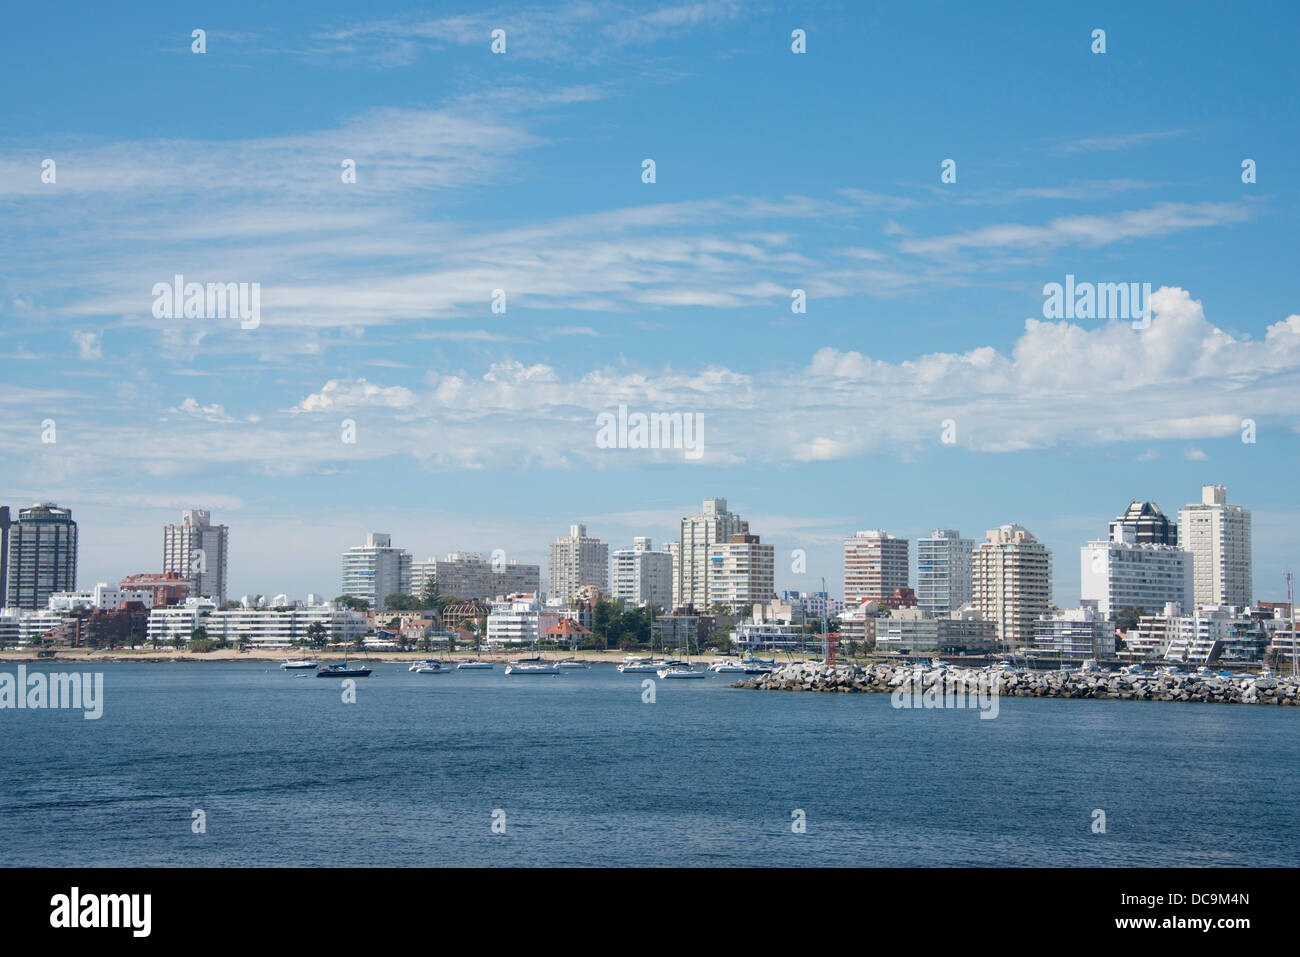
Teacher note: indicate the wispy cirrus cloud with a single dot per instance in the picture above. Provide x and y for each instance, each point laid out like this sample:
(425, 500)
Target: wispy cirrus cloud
(579, 32)
(1118, 141)
(1095, 230)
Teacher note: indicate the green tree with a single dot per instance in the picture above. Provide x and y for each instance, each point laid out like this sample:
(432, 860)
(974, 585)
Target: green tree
(352, 603)
(429, 596)
(316, 635)
(1126, 619)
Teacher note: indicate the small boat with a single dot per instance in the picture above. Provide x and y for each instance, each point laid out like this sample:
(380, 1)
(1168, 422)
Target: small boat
(302, 665)
(681, 671)
(527, 668)
(639, 666)
(475, 666)
(431, 667)
(674, 668)
(342, 670)
(571, 664)
(727, 666)
(1135, 671)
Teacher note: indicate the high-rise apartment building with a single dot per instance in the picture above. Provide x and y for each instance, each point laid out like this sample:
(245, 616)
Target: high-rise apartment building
(577, 560)
(1218, 536)
(472, 576)
(643, 576)
(1011, 582)
(943, 570)
(875, 563)
(42, 553)
(1149, 525)
(196, 550)
(741, 572)
(375, 570)
(1120, 573)
(5, 523)
(690, 552)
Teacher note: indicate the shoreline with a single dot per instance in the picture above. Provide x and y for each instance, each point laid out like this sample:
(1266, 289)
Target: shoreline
(277, 655)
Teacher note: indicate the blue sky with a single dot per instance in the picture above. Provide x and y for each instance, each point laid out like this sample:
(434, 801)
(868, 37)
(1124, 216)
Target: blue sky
(522, 172)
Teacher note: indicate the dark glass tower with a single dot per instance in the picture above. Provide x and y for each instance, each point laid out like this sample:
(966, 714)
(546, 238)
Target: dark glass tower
(42, 555)
(1150, 526)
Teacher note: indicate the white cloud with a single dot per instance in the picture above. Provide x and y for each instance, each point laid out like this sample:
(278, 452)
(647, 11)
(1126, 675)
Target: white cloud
(89, 344)
(209, 413)
(1159, 220)
(355, 394)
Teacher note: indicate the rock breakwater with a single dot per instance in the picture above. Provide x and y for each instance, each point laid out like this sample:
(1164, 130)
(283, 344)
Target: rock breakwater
(886, 678)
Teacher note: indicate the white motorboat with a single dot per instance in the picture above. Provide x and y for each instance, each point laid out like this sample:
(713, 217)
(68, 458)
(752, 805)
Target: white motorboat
(727, 666)
(633, 665)
(302, 665)
(681, 671)
(530, 668)
(475, 666)
(430, 667)
(574, 665)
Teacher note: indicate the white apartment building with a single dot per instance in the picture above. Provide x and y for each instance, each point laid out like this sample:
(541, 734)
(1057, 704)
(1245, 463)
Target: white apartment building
(471, 576)
(742, 572)
(196, 550)
(875, 563)
(1011, 582)
(690, 552)
(1199, 635)
(171, 623)
(1119, 573)
(375, 570)
(285, 626)
(515, 620)
(1218, 536)
(911, 631)
(578, 560)
(1083, 632)
(943, 572)
(643, 576)
(18, 626)
(278, 627)
(767, 634)
(103, 596)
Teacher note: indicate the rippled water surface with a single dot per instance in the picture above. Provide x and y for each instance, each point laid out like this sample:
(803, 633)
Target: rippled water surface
(588, 774)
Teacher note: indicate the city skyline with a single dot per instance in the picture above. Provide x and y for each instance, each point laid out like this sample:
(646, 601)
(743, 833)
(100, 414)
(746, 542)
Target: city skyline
(503, 558)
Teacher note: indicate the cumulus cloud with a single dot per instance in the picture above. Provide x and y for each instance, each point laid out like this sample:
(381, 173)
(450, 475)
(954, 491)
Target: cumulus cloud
(209, 413)
(1061, 383)
(355, 394)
